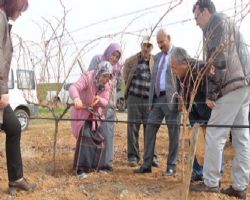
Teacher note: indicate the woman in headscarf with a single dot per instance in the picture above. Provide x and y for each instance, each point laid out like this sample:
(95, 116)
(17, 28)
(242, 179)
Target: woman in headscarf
(90, 95)
(112, 54)
(10, 9)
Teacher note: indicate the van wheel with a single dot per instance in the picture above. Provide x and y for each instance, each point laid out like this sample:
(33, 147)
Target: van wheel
(23, 118)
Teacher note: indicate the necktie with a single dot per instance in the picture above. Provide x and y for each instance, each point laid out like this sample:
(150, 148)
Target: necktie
(158, 76)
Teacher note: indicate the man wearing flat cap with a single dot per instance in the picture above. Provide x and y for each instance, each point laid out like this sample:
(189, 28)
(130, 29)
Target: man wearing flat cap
(137, 75)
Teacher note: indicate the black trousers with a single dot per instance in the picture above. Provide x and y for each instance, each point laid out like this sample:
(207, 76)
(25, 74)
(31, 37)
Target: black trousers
(138, 111)
(12, 129)
(159, 111)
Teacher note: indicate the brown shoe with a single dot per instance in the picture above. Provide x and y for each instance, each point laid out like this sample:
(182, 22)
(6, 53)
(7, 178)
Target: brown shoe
(202, 187)
(234, 193)
(21, 185)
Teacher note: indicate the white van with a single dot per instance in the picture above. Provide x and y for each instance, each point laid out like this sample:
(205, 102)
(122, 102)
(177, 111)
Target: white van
(23, 95)
(62, 96)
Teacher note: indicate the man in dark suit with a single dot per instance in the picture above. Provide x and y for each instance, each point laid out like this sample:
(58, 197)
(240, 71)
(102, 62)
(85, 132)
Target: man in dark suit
(163, 103)
(187, 71)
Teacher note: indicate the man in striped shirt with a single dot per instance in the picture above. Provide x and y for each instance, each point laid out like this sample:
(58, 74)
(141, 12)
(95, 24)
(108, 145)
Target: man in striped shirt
(137, 74)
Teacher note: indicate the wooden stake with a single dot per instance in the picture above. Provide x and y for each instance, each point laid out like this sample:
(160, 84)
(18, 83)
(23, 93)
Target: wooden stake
(190, 161)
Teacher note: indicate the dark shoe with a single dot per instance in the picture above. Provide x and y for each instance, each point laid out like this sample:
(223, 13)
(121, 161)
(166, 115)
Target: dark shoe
(143, 170)
(107, 168)
(234, 193)
(169, 172)
(81, 174)
(132, 163)
(195, 177)
(21, 185)
(155, 163)
(201, 187)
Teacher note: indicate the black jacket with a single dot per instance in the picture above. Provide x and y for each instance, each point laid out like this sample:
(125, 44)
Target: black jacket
(199, 113)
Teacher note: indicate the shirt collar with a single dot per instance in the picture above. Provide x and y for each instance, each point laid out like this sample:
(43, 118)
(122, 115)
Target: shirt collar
(169, 50)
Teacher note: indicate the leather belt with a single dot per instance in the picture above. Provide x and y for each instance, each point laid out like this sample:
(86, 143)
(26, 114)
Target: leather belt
(161, 94)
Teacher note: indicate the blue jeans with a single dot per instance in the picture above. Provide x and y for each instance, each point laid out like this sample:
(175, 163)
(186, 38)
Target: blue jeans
(197, 173)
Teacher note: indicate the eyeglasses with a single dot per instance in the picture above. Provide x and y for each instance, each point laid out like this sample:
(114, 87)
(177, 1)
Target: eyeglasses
(197, 15)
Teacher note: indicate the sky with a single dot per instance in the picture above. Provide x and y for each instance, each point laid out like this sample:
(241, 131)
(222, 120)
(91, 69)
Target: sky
(88, 20)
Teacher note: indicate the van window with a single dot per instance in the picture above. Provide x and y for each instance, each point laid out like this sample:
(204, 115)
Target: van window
(11, 80)
(25, 79)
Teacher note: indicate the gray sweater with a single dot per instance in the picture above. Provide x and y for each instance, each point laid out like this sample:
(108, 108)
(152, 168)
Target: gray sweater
(5, 56)
(227, 51)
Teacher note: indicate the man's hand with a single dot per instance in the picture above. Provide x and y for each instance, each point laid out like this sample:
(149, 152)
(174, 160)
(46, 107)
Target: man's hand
(78, 104)
(4, 101)
(211, 71)
(211, 104)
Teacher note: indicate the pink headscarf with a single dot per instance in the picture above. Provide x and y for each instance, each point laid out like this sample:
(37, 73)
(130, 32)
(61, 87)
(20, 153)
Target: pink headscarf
(107, 53)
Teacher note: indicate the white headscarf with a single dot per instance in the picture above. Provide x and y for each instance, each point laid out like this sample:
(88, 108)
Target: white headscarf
(104, 67)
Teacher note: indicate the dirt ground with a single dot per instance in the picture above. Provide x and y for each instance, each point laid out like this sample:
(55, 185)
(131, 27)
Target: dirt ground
(122, 183)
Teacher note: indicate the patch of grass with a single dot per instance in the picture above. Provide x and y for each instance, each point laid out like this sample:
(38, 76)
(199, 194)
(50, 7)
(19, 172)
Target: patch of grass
(44, 112)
